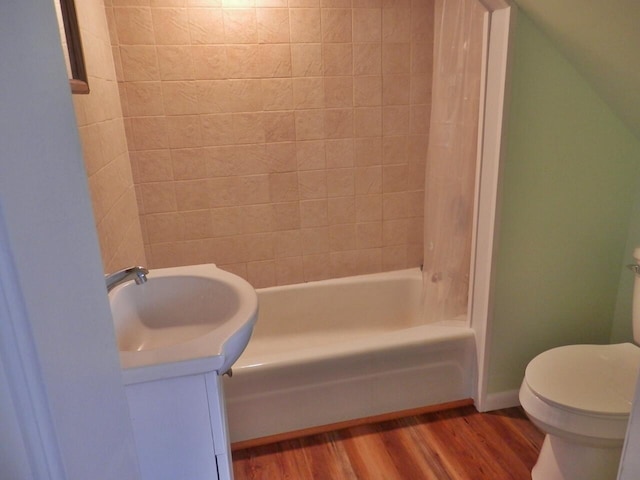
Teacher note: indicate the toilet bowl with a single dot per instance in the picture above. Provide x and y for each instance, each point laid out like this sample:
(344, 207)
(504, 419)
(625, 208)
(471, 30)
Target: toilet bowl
(581, 397)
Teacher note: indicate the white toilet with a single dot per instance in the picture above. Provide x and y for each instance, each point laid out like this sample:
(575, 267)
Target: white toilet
(580, 396)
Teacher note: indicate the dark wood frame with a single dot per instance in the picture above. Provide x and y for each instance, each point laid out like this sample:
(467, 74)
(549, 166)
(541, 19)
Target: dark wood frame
(79, 82)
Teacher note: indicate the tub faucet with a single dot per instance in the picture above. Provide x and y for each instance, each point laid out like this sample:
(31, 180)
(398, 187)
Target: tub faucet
(139, 274)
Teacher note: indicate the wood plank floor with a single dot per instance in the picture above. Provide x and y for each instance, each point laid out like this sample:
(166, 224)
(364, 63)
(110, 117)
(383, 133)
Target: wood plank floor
(458, 444)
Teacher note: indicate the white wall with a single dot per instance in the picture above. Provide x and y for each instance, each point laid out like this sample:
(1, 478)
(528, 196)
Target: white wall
(57, 281)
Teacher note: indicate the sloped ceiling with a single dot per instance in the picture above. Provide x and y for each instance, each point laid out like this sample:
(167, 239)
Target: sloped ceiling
(602, 40)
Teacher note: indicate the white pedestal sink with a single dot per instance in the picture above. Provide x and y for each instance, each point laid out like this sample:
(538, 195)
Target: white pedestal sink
(177, 333)
(182, 320)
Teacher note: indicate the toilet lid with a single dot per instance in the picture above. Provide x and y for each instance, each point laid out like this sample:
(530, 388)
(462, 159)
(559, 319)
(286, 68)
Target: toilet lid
(597, 379)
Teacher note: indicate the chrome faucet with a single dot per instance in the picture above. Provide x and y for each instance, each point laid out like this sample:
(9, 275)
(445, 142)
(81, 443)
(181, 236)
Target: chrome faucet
(139, 274)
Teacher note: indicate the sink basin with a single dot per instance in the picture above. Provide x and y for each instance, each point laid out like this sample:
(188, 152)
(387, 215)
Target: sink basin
(198, 316)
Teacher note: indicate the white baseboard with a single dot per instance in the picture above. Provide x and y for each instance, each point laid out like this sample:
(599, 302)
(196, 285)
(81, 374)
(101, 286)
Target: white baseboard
(496, 401)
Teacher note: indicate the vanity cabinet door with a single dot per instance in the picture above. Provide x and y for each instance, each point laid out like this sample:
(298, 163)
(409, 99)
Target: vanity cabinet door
(219, 429)
(172, 429)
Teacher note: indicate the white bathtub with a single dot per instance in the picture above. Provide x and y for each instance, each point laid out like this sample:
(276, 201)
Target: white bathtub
(337, 350)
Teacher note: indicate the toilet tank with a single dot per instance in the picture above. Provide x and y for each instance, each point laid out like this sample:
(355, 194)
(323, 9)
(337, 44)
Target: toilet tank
(636, 296)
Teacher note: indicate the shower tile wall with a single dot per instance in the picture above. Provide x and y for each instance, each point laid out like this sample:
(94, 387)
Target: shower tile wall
(101, 128)
(284, 142)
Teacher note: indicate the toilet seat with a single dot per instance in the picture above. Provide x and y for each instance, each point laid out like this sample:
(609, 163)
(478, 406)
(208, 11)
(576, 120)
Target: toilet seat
(583, 392)
(589, 379)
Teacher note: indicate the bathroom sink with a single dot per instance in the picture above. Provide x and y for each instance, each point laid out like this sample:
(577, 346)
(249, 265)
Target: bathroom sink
(197, 315)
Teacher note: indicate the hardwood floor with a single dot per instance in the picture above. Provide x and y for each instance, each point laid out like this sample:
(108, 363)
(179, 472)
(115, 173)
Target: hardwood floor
(458, 444)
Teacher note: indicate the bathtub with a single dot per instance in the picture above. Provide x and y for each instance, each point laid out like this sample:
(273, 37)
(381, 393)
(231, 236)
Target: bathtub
(332, 351)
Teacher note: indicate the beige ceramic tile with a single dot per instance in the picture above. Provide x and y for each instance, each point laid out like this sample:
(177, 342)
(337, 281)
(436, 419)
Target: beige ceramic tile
(192, 194)
(164, 227)
(274, 60)
(144, 98)
(340, 182)
(336, 25)
(184, 131)
(396, 89)
(369, 260)
(256, 218)
(243, 61)
(368, 180)
(394, 206)
(394, 178)
(342, 237)
(188, 163)
(395, 149)
(240, 25)
(394, 257)
(341, 210)
(367, 25)
(277, 94)
(396, 25)
(289, 271)
(313, 213)
(149, 132)
(197, 224)
(396, 58)
(261, 274)
(309, 124)
(271, 3)
(134, 25)
(283, 187)
(171, 26)
(343, 264)
(339, 153)
(217, 129)
(286, 216)
(369, 235)
(139, 62)
(159, 197)
(210, 62)
(253, 189)
(288, 243)
(308, 92)
(367, 91)
(315, 240)
(316, 267)
(338, 91)
(368, 121)
(369, 208)
(180, 98)
(152, 165)
(337, 59)
(258, 246)
(306, 60)
(335, 3)
(368, 151)
(422, 24)
(175, 62)
(395, 120)
(248, 128)
(338, 123)
(281, 157)
(303, 3)
(225, 221)
(310, 155)
(420, 119)
(279, 126)
(312, 184)
(273, 25)
(206, 26)
(305, 25)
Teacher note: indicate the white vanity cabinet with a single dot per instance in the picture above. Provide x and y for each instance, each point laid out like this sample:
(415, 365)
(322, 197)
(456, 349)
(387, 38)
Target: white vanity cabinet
(180, 428)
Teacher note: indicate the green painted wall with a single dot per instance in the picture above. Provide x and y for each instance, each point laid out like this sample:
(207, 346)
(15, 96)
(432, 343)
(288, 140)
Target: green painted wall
(569, 185)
